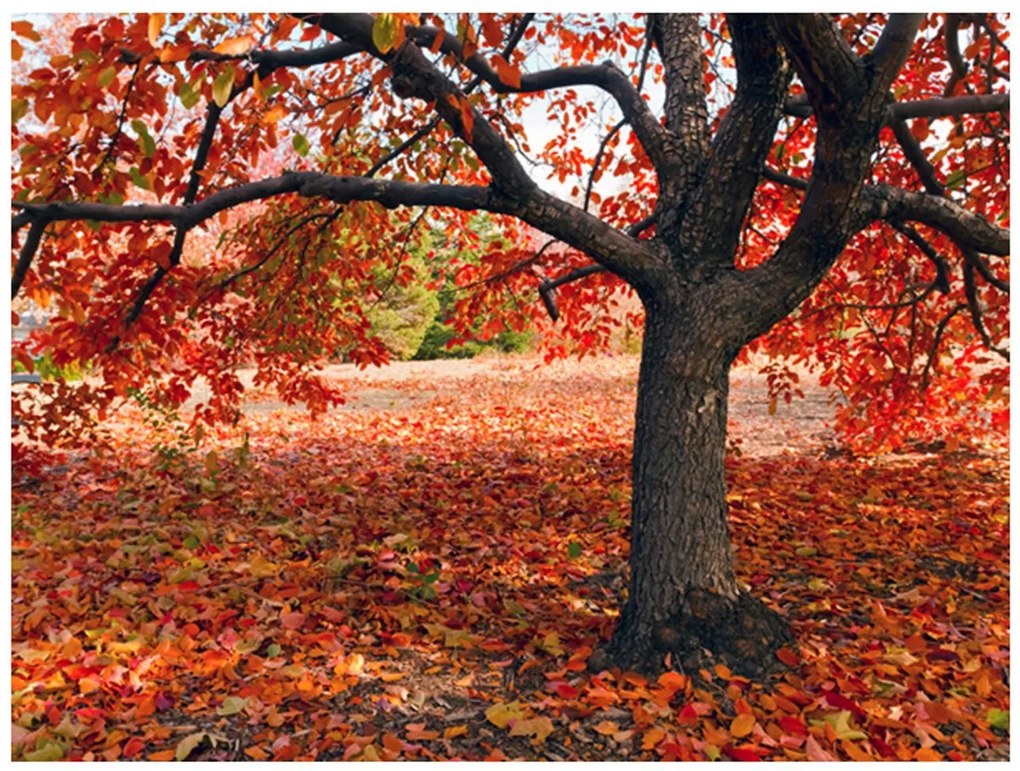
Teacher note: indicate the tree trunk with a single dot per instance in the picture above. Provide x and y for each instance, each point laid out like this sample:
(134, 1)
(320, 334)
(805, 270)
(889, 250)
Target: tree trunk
(684, 596)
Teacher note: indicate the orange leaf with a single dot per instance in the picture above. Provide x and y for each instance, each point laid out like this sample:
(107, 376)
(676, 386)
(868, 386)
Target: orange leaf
(467, 118)
(392, 743)
(133, 746)
(156, 22)
(788, 657)
(438, 42)
(492, 30)
(651, 738)
(607, 727)
(742, 725)
(235, 46)
(162, 755)
(455, 731)
(508, 74)
(292, 620)
(25, 29)
(171, 54)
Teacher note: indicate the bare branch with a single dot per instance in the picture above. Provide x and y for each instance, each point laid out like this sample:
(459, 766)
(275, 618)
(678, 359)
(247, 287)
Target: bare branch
(773, 175)
(951, 107)
(976, 312)
(964, 227)
(936, 107)
(28, 250)
(941, 281)
(956, 63)
(547, 289)
(744, 137)
(893, 46)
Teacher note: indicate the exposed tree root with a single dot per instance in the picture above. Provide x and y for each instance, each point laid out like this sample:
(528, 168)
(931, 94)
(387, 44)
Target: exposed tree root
(742, 633)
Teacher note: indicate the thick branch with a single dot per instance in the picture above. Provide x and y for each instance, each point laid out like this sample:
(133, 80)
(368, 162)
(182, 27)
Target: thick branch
(566, 222)
(357, 29)
(936, 107)
(743, 140)
(891, 51)
(849, 101)
(677, 38)
(967, 229)
(832, 74)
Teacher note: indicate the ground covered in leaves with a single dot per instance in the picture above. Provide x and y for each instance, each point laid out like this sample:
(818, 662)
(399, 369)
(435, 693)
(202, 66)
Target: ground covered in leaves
(425, 577)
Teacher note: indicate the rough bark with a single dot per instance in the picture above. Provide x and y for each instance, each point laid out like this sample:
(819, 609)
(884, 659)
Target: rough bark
(684, 597)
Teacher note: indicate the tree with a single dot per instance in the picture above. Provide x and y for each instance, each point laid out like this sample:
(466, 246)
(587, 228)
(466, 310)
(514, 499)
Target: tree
(183, 243)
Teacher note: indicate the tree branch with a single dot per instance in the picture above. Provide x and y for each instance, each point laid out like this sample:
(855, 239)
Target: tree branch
(547, 289)
(976, 313)
(936, 107)
(893, 46)
(28, 249)
(744, 137)
(967, 229)
(956, 64)
(357, 28)
(832, 74)
(513, 191)
(941, 281)
(929, 177)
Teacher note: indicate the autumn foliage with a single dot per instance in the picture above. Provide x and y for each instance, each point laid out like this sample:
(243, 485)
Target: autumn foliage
(174, 108)
(427, 581)
(208, 210)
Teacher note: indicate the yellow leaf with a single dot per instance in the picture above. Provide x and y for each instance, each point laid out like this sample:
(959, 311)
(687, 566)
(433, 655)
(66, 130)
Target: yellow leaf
(370, 753)
(539, 727)
(262, 568)
(500, 715)
(212, 462)
(156, 22)
(188, 744)
(551, 644)
(742, 725)
(387, 33)
(454, 731)
(126, 647)
(222, 87)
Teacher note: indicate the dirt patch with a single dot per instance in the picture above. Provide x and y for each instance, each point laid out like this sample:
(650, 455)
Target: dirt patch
(802, 425)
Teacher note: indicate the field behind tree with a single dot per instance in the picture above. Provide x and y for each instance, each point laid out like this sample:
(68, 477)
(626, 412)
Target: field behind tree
(423, 573)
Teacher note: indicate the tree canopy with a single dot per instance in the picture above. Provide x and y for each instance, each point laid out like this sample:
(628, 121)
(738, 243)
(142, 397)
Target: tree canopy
(196, 192)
